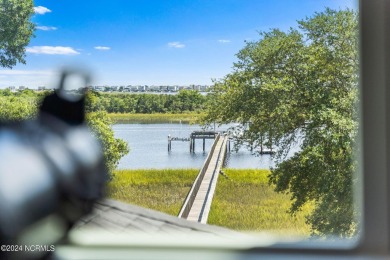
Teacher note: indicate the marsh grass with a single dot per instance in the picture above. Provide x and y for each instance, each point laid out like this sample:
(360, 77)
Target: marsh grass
(245, 201)
(191, 118)
(159, 189)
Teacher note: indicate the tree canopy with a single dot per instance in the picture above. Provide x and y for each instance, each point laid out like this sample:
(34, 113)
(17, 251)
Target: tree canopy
(300, 88)
(113, 148)
(16, 30)
(184, 101)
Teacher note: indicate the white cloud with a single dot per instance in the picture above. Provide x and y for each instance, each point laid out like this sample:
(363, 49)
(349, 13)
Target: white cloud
(41, 10)
(46, 28)
(176, 45)
(224, 41)
(103, 48)
(26, 72)
(52, 50)
(27, 78)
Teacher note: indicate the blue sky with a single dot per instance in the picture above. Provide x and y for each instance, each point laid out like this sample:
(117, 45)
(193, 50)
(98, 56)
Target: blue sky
(138, 42)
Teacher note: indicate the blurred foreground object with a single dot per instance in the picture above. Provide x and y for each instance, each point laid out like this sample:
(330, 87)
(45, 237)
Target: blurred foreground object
(51, 170)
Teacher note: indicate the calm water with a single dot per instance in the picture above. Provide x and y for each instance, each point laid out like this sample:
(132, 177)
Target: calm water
(149, 148)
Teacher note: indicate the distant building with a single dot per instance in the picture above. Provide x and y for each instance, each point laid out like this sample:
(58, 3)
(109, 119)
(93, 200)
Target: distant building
(204, 88)
(154, 88)
(12, 88)
(172, 88)
(195, 87)
(163, 88)
(144, 88)
(99, 88)
(134, 88)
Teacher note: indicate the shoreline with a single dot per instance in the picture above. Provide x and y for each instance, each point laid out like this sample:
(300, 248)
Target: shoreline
(158, 118)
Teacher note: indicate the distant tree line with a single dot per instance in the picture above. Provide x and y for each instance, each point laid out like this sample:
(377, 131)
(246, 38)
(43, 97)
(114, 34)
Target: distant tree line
(184, 101)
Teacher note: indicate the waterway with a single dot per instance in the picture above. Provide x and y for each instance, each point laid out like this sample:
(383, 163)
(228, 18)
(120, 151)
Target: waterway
(149, 148)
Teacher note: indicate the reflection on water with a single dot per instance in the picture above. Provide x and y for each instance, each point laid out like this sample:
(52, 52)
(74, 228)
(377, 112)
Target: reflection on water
(149, 148)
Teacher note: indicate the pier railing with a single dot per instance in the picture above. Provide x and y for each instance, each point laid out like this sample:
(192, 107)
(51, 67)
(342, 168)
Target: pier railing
(204, 214)
(189, 201)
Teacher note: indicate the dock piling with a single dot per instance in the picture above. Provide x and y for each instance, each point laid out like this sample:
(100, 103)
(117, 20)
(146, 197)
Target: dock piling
(193, 145)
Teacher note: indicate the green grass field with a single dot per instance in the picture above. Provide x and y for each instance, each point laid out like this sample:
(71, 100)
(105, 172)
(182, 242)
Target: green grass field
(160, 189)
(245, 201)
(154, 118)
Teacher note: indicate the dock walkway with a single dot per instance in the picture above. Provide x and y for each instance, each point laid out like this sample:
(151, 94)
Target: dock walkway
(198, 202)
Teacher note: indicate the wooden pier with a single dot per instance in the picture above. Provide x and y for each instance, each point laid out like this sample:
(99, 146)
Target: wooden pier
(170, 139)
(197, 204)
(203, 135)
(198, 201)
(266, 151)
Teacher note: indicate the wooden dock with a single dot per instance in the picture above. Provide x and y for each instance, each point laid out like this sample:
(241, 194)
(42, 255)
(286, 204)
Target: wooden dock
(198, 201)
(203, 135)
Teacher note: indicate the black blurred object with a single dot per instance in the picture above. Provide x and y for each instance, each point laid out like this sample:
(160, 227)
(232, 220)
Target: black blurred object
(51, 173)
(67, 107)
(67, 111)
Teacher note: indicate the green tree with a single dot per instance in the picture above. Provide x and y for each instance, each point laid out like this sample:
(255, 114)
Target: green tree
(184, 101)
(16, 30)
(301, 88)
(189, 100)
(113, 148)
(17, 109)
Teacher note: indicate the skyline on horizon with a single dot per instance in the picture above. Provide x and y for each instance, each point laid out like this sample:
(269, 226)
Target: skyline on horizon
(180, 42)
